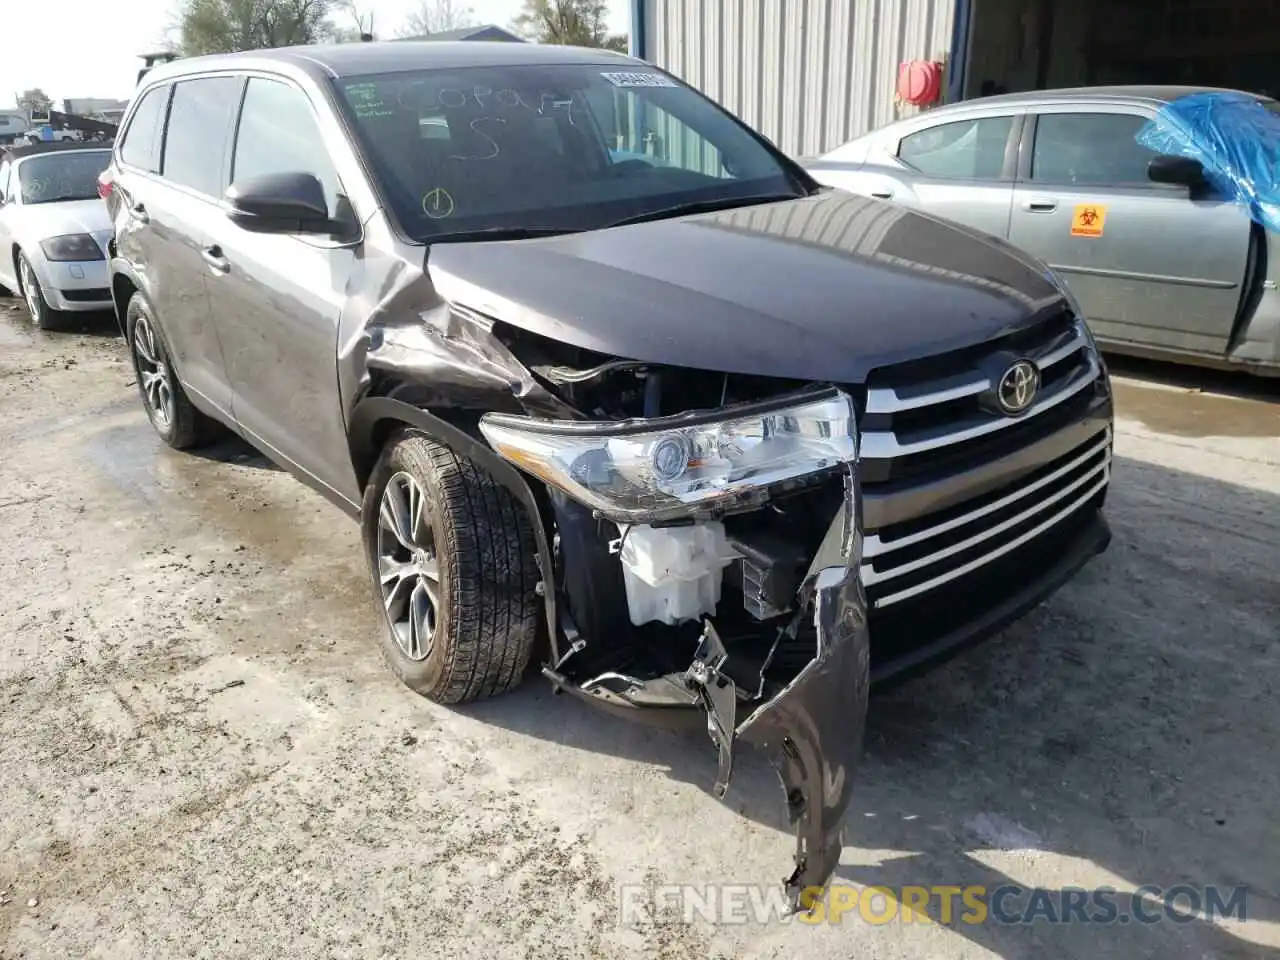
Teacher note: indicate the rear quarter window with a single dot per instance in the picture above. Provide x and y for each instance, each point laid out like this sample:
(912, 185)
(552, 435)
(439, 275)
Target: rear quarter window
(961, 150)
(140, 143)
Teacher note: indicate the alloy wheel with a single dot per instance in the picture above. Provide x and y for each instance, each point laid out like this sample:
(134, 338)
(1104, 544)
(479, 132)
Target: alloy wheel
(153, 373)
(408, 566)
(30, 288)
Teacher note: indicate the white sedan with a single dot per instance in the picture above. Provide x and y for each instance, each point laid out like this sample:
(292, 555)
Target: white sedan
(54, 229)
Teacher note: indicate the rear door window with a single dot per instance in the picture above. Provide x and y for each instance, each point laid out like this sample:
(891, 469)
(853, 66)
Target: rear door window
(140, 145)
(195, 145)
(278, 133)
(1096, 148)
(960, 150)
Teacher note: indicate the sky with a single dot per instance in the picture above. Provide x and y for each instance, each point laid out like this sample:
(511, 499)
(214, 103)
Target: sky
(70, 49)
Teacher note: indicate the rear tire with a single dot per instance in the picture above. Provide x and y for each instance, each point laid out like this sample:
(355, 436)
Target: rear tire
(43, 316)
(455, 579)
(171, 413)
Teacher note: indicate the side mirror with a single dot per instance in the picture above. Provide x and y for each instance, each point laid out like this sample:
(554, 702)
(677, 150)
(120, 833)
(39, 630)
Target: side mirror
(280, 203)
(1183, 171)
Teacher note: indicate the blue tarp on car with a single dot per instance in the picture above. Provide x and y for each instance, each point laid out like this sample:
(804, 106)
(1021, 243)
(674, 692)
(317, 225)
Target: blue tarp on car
(1236, 137)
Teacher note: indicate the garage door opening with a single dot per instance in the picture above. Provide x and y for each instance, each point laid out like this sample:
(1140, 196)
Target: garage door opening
(1018, 45)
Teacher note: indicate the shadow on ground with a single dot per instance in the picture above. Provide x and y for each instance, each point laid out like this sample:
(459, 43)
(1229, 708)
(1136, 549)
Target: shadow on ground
(1128, 722)
(94, 323)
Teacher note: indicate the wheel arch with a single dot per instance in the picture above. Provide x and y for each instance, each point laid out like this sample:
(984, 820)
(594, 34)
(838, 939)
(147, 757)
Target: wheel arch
(375, 419)
(124, 284)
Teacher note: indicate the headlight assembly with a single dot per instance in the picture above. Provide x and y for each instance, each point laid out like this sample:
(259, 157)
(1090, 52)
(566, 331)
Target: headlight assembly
(71, 246)
(663, 468)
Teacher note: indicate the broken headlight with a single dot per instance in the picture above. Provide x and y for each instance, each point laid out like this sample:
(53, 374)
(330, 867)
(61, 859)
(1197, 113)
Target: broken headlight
(666, 467)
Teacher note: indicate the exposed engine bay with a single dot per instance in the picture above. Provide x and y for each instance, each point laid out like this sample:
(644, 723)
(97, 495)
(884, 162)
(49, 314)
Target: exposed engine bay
(648, 586)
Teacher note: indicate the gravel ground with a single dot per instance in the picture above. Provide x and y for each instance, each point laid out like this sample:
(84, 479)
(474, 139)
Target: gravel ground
(201, 753)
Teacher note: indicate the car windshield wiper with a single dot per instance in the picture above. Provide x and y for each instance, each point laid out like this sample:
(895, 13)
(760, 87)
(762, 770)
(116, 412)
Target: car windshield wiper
(500, 233)
(704, 206)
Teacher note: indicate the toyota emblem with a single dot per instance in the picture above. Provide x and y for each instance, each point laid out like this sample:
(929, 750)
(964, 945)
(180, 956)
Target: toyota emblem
(1018, 387)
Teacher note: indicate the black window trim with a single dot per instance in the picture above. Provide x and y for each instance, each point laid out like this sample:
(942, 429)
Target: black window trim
(1028, 146)
(1012, 146)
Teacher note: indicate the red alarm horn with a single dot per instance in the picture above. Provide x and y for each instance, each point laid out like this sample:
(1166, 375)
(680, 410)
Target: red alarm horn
(920, 82)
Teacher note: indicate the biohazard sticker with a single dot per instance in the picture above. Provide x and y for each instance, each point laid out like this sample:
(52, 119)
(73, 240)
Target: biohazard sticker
(1089, 220)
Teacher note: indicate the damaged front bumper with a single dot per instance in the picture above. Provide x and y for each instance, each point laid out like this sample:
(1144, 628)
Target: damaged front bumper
(809, 717)
(815, 724)
(812, 726)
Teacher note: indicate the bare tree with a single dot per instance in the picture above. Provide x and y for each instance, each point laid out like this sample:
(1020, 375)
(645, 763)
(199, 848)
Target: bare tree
(353, 21)
(437, 16)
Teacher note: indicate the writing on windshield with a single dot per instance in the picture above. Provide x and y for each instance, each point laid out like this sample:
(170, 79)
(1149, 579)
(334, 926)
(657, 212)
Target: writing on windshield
(572, 147)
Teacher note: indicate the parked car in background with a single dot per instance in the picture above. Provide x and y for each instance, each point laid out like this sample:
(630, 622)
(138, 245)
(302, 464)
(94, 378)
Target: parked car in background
(13, 126)
(54, 229)
(1160, 262)
(710, 442)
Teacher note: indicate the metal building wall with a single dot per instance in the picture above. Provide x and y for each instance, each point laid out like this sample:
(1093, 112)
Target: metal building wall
(809, 74)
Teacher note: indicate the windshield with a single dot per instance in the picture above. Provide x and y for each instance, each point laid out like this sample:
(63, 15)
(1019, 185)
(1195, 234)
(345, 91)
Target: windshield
(563, 147)
(62, 176)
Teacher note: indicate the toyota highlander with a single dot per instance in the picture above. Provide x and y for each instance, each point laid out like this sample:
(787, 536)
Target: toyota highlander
(612, 386)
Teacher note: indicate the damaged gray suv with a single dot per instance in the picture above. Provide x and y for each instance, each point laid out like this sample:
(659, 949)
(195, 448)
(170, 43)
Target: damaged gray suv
(612, 386)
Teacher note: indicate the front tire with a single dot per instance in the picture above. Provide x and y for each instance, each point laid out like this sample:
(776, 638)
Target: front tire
(454, 572)
(170, 411)
(43, 316)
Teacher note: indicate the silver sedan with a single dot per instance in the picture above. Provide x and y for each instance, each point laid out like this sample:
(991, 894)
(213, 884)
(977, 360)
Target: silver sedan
(54, 229)
(1161, 264)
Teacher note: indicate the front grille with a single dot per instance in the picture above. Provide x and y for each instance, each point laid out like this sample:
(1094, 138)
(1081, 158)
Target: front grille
(86, 295)
(923, 419)
(901, 631)
(921, 555)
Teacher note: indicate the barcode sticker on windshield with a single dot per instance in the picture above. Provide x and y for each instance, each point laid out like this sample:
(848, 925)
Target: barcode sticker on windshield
(633, 79)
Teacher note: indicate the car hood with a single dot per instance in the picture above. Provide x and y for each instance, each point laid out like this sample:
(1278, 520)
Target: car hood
(43, 220)
(822, 288)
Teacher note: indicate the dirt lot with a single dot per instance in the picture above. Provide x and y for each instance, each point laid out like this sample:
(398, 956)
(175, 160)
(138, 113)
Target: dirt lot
(201, 753)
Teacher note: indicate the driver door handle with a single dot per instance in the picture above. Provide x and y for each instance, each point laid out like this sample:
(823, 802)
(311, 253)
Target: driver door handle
(214, 258)
(882, 194)
(139, 213)
(1041, 205)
